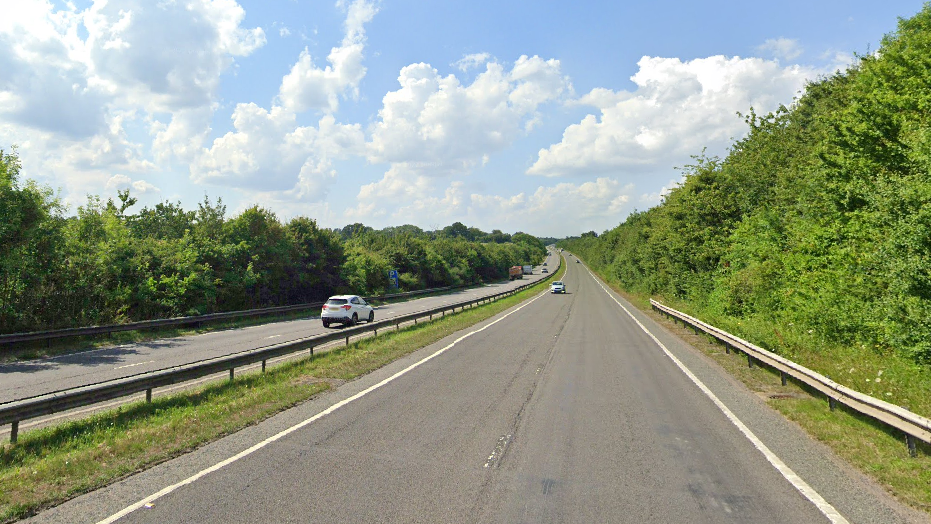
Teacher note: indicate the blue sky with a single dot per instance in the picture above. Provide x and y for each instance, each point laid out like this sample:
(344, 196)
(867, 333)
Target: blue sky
(546, 117)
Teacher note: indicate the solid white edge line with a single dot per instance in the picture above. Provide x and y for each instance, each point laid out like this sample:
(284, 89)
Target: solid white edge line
(826, 509)
(151, 498)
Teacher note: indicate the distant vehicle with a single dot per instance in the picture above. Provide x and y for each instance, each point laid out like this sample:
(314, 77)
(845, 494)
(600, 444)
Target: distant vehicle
(576, 261)
(528, 270)
(557, 287)
(346, 310)
(544, 271)
(515, 272)
(544, 263)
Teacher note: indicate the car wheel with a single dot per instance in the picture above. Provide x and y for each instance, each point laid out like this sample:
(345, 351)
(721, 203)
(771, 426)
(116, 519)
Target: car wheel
(326, 323)
(355, 320)
(371, 317)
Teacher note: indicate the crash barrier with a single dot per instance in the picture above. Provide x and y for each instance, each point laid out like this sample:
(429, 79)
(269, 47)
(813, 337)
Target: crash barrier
(913, 425)
(8, 340)
(16, 411)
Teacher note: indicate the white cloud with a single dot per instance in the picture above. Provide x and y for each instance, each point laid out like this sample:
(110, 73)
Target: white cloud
(284, 32)
(677, 109)
(472, 61)
(140, 187)
(76, 85)
(560, 210)
(436, 126)
(307, 86)
(45, 82)
(648, 200)
(781, 48)
(168, 55)
(268, 152)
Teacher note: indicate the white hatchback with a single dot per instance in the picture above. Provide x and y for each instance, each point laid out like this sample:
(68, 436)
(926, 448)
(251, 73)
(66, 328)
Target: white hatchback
(346, 309)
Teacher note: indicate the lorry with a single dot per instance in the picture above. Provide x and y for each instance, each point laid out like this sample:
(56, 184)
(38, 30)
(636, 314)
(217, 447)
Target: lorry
(528, 270)
(515, 272)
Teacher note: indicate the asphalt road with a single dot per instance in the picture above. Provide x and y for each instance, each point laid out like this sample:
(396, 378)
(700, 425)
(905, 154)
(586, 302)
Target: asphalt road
(35, 377)
(560, 410)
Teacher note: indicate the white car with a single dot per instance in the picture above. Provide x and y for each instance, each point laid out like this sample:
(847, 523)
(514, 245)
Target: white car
(346, 309)
(557, 287)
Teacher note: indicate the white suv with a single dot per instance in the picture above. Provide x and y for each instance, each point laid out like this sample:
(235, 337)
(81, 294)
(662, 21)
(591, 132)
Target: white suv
(346, 309)
(557, 287)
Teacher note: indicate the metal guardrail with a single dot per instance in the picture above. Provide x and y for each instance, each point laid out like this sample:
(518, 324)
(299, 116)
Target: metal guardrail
(13, 412)
(913, 425)
(182, 321)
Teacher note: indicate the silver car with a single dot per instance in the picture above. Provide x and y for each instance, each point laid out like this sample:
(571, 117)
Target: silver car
(557, 287)
(346, 310)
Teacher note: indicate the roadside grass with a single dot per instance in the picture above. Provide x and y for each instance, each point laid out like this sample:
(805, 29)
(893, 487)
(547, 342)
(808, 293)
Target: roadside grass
(69, 345)
(871, 447)
(51, 465)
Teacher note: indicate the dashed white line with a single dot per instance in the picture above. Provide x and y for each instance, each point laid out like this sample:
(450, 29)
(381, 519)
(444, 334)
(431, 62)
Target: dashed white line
(134, 365)
(807, 491)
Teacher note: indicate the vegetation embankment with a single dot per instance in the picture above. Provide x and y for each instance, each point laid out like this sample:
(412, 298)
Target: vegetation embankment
(812, 238)
(107, 265)
(50, 465)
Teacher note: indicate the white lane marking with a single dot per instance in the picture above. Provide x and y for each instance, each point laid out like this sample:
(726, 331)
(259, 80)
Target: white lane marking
(134, 365)
(151, 498)
(273, 336)
(826, 509)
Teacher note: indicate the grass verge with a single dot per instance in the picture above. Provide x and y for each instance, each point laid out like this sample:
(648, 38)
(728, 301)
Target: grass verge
(51, 465)
(870, 446)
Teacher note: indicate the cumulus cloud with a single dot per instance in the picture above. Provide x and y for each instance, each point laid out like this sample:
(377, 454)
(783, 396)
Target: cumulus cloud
(307, 86)
(75, 85)
(272, 157)
(269, 152)
(134, 48)
(46, 81)
(561, 210)
(781, 48)
(677, 109)
(121, 182)
(472, 61)
(434, 125)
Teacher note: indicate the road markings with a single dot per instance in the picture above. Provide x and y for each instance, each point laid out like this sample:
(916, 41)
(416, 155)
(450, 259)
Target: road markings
(273, 336)
(134, 365)
(500, 448)
(807, 491)
(245, 453)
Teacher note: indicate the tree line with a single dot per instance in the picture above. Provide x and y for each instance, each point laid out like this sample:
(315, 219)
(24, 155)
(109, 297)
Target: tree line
(108, 265)
(817, 222)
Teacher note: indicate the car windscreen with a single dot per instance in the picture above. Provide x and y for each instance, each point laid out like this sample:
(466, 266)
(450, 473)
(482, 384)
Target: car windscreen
(336, 301)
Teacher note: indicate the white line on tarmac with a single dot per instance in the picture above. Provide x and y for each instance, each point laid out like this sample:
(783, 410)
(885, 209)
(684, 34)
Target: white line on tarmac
(133, 365)
(193, 478)
(807, 491)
